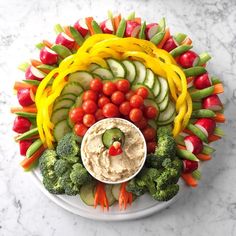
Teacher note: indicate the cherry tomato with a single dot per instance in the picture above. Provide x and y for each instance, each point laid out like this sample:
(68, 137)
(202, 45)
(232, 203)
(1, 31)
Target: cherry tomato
(129, 95)
(80, 129)
(96, 85)
(109, 88)
(151, 146)
(143, 92)
(89, 107)
(110, 110)
(151, 112)
(135, 115)
(102, 101)
(99, 115)
(89, 120)
(123, 85)
(136, 101)
(142, 123)
(117, 97)
(90, 95)
(149, 133)
(76, 114)
(125, 108)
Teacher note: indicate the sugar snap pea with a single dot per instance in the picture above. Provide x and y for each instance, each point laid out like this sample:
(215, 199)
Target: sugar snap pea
(46, 67)
(40, 45)
(33, 147)
(156, 39)
(203, 58)
(194, 71)
(27, 134)
(61, 50)
(121, 28)
(76, 36)
(96, 27)
(23, 66)
(215, 80)
(131, 16)
(26, 114)
(197, 132)
(31, 82)
(58, 29)
(142, 31)
(203, 113)
(179, 37)
(180, 49)
(202, 93)
(185, 154)
(197, 105)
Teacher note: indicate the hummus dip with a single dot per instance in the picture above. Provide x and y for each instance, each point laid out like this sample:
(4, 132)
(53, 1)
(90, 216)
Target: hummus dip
(118, 168)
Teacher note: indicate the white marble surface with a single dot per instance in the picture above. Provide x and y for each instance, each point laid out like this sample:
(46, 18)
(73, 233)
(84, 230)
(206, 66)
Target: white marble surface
(208, 210)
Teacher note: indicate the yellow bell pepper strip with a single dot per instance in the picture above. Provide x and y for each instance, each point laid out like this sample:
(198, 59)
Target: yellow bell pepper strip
(189, 111)
(108, 52)
(178, 119)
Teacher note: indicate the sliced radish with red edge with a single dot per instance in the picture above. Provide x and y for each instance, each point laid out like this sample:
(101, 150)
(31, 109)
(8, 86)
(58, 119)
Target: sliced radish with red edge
(206, 125)
(65, 40)
(212, 102)
(193, 144)
(82, 27)
(48, 56)
(33, 73)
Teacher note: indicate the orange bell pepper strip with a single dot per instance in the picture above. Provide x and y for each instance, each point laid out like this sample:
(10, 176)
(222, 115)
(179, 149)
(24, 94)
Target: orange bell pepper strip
(124, 197)
(100, 196)
(27, 162)
(88, 21)
(165, 38)
(138, 20)
(189, 180)
(117, 20)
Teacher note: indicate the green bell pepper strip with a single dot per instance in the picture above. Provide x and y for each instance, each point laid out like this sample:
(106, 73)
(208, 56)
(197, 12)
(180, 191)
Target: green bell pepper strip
(28, 134)
(215, 80)
(40, 45)
(121, 28)
(195, 130)
(203, 113)
(131, 16)
(156, 39)
(96, 27)
(33, 147)
(185, 154)
(203, 58)
(58, 29)
(180, 49)
(23, 67)
(26, 114)
(219, 132)
(61, 50)
(202, 93)
(76, 36)
(142, 31)
(194, 71)
(31, 82)
(197, 105)
(196, 174)
(179, 37)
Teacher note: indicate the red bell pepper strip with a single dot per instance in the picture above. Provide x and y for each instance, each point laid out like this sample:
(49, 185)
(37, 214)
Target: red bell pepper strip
(100, 196)
(124, 197)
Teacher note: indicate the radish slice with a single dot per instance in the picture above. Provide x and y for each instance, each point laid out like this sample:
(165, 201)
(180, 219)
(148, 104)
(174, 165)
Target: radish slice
(65, 40)
(132, 29)
(34, 74)
(47, 56)
(82, 27)
(202, 81)
(190, 166)
(212, 102)
(206, 125)
(193, 144)
(25, 97)
(107, 26)
(170, 44)
(151, 30)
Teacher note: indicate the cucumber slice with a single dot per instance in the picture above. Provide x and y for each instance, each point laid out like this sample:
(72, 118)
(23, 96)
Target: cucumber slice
(166, 122)
(152, 123)
(103, 73)
(69, 122)
(112, 135)
(134, 87)
(130, 70)
(82, 77)
(167, 114)
(72, 88)
(67, 96)
(141, 72)
(163, 105)
(87, 194)
(93, 66)
(150, 78)
(156, 87)
(59, 115)
(116, 191)
(63, 103)
(116, 67)
(164, 90)
(60, 129)
(151, 102)
(79, 100)
(111, 199)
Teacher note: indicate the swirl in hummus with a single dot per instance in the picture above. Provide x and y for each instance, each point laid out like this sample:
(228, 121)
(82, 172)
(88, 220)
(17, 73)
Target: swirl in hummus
(113, 168)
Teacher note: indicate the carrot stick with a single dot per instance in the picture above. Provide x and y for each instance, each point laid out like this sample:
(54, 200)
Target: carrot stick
(166, 37)
(100, 196)
(24, 109)
(138, 20)
(117, 20)
(189, 180)
(203, 157)
(181, 147)
(27, 162)
(187, 41)
(88, 21)
(35, 63)
(187, 131)
(21, 85)
(213, 138)
(47, 43)
(124, 197)
(67, 31)
(219, 117)
(218, 88)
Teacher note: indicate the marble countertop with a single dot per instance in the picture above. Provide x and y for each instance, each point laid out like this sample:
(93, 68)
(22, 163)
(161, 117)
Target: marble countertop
(207, 210)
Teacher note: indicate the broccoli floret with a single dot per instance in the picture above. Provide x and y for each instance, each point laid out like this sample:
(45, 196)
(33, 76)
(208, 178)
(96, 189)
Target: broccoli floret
(72, 159)
(166, 194)
(69, 187)
(79, 175)
(168, 176)
(177, 164)
(47, 161)
(67, 146)
(166, 147)
(165, 130)
(167, 163)
(154, 161)
(61, 166)
(136, 187)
